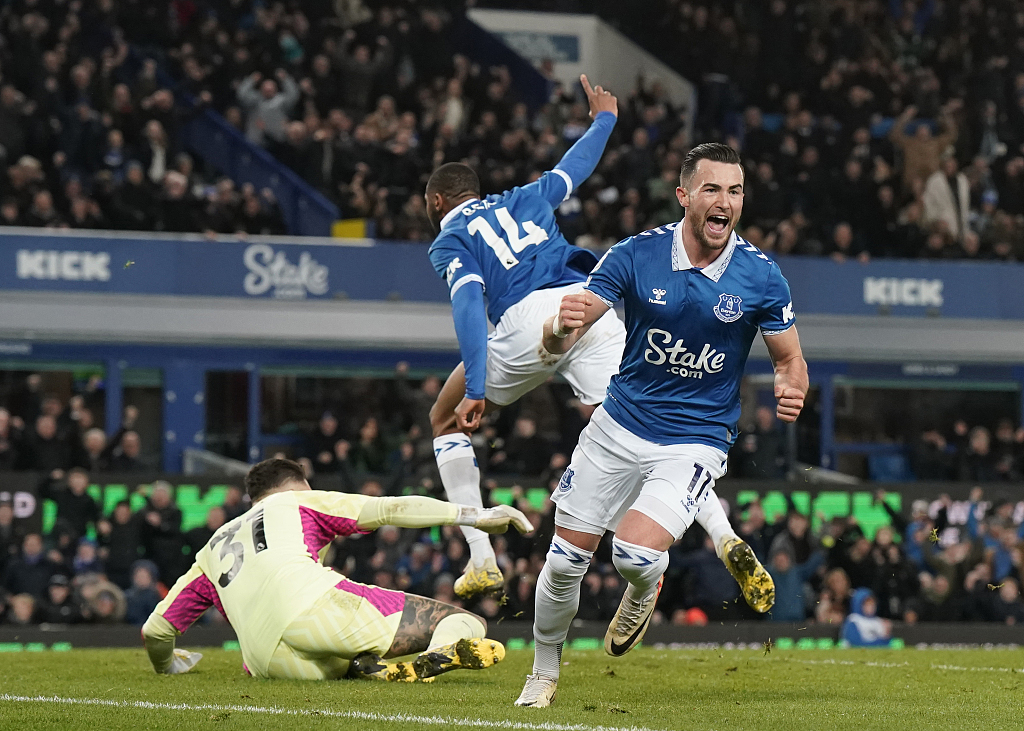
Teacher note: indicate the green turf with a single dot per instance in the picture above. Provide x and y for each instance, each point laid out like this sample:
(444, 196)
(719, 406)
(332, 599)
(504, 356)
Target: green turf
(654, 689)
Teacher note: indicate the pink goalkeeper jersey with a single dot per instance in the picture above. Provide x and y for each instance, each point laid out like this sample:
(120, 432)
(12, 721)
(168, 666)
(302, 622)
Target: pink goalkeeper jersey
(263, 569)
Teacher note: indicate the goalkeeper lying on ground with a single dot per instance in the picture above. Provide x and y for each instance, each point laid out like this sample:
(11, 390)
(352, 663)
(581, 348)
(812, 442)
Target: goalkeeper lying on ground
(294, 617)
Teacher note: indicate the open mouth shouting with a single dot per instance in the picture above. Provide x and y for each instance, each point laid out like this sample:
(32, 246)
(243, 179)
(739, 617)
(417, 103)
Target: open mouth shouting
(717, 225)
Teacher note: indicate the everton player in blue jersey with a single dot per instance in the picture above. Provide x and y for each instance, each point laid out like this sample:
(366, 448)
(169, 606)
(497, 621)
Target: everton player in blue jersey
(507, 248)
(695, 295)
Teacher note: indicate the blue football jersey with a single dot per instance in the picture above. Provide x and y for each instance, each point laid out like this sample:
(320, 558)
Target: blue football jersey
(688, 333)
(511, 244)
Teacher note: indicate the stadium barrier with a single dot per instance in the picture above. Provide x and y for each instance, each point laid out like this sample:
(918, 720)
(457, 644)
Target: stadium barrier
(196, 494)
(285, 267)
(518, 635)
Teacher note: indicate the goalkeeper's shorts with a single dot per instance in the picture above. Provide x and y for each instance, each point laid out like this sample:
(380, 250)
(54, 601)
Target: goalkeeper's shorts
(349, 620)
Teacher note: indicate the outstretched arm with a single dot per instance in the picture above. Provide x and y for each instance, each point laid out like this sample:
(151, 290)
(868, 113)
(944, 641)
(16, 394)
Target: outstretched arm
(415, 511)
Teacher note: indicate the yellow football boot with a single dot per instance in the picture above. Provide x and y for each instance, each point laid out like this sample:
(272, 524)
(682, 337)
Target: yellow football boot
(755, 583)
(485, 579)
(475, 653)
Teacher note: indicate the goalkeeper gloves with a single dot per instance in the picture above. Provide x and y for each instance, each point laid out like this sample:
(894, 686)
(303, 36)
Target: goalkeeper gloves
(493, 520)
(183, 662)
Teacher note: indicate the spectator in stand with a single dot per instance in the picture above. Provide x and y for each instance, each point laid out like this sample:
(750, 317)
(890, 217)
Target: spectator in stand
(60, 605)
(142, 597)
(1007, 606)
(922, 150)
(198, 537)
(177, 210)
(9, 439)
(119, 543)
(161, 532)
(761, 448)
(24, 610)
(323, 440)
(370, 452)
(127, 456)
(862, 628)
(792, 591)
(44, 450)
(9, 538)
(977, 463)
(235, 503)
(75, 506)
(947, 198)
(269, 107)
(94, 447)
(30, 573)
(834, 600)
(87, 559)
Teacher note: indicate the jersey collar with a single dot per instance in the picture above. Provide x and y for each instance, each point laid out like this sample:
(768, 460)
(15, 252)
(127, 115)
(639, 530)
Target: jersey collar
(714, 270)
(455, 211)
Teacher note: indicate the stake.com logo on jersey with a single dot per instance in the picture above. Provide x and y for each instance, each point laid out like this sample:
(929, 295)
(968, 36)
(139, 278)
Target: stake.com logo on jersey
(683, 361)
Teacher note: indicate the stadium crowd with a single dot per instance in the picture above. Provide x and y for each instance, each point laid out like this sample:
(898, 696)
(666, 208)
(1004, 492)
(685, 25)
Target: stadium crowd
(867, 128)
(104, 568)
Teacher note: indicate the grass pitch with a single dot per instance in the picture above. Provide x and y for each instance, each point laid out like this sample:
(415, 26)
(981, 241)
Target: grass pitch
(647, 689)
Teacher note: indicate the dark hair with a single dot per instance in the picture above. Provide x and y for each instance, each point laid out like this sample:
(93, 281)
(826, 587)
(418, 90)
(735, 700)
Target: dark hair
(271, 473)
(713, 151)
(453, 180)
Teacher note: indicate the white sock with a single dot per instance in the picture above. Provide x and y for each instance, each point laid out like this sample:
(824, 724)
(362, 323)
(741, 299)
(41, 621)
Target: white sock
(460, 475)
(558, 599)
(642, 567)
(714, 521)
(455, 627)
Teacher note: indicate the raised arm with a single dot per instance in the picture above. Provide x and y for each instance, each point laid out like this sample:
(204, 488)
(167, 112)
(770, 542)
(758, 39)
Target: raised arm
(791, 381)
(580, 161)
(247, 94)
(898, 133)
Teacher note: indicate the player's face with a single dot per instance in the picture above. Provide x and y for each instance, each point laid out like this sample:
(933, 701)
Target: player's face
(713, 200)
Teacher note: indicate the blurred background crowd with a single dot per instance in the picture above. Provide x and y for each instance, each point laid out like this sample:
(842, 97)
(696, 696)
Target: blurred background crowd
(868, 129)
(115, 568)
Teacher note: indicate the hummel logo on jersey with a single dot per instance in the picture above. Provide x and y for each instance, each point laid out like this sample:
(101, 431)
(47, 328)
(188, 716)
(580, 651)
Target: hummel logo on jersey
(728, 308)
(682, 360)
(658, 294)
(455, 264)
(787, 313)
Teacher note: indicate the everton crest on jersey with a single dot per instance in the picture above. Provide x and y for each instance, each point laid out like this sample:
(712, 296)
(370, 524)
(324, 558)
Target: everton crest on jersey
(689, 332)
(728, 307)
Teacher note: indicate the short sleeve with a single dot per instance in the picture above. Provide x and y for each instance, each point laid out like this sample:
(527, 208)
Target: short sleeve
(554, 186)
(611, 278)
(777, 308)
(455, 264)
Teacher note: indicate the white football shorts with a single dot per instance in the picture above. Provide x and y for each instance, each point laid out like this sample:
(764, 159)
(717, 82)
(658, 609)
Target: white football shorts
(517, 361)
(613, 470)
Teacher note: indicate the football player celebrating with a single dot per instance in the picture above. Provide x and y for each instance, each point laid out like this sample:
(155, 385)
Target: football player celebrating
(508, 248)
(695, 295)
(296, 618)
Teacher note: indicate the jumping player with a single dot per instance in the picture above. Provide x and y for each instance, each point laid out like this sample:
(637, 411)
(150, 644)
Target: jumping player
(695, 296)
(296, 618)
(508, 249)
